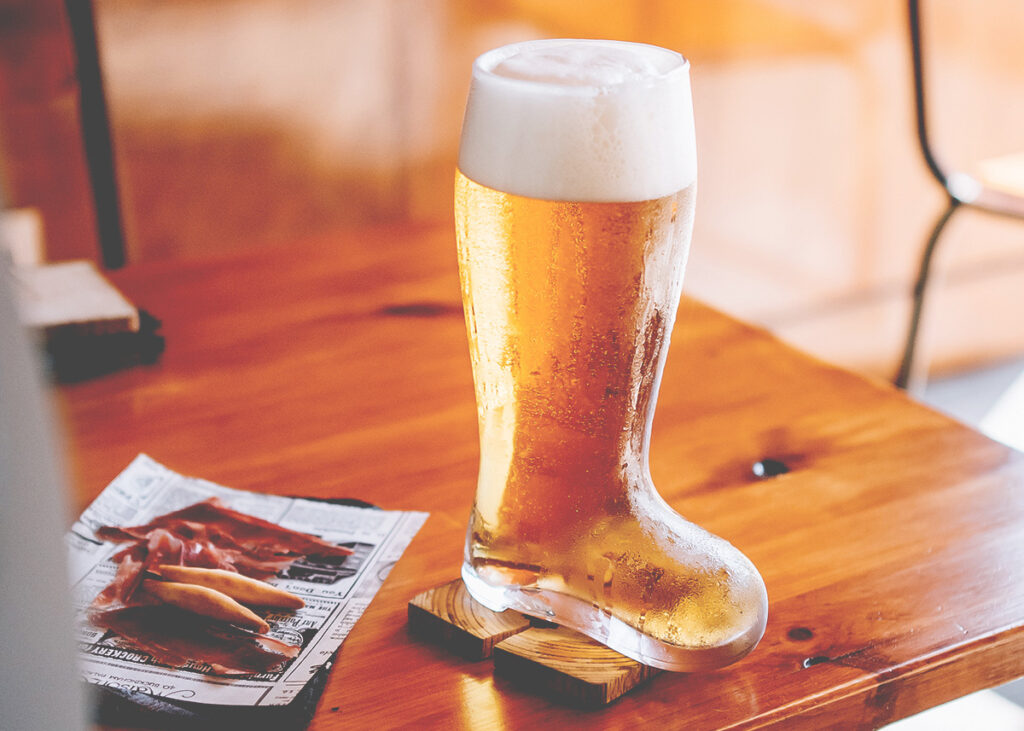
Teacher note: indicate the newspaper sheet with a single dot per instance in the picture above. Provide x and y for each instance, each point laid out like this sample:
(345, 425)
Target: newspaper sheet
(336, 593)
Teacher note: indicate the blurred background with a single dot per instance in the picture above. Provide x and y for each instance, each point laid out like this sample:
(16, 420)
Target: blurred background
(254, 123)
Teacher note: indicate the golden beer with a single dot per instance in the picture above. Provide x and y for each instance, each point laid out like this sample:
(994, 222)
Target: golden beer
(569, 308)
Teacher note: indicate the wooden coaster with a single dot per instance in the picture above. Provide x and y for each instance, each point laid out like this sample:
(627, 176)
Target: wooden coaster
(550, 660)
(568, 665)
(449, 616)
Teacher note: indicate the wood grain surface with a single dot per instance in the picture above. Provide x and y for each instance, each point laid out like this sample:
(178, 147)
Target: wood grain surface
(449, 616)
(339, 367)
(569, 667)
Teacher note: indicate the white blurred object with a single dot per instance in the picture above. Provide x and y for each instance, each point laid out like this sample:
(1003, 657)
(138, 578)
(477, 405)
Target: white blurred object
(61, 295)
(40, 686)
(983, 710)
(1004, 422)
(21, 232)
(72, 294)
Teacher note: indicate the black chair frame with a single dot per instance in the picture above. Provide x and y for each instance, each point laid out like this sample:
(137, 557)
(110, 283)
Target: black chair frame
(961, 190)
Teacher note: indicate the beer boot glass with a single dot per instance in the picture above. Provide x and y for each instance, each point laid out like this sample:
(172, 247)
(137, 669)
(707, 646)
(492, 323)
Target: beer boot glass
(574, 205)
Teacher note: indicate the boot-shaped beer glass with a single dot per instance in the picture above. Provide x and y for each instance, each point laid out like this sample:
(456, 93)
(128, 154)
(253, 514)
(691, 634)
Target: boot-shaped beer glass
(574, 206)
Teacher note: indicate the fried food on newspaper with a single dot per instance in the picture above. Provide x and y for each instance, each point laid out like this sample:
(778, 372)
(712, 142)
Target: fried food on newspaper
(183, 581)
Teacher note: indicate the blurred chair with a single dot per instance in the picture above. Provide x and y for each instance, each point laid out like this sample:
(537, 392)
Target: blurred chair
(997, 188)
(96, 136)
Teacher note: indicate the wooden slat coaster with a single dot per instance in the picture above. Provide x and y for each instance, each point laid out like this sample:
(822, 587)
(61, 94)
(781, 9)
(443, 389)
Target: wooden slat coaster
(569, 666)
(450, 616)
(547, 659)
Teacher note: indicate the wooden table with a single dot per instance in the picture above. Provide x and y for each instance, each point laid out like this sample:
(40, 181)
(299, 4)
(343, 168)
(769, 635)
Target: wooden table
(892, 550)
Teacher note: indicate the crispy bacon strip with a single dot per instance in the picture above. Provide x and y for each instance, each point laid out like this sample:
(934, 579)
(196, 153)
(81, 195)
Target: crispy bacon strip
(158, 548)
(225, 528)
(179, 639)
(203, 553)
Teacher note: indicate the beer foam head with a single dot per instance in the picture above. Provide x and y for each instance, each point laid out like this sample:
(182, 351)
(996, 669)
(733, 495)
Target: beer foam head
(580, 120)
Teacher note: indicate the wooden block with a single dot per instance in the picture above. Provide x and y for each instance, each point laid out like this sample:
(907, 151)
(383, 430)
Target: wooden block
(540, 656)
(449, 616)
(72, 296)
(568, 666)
